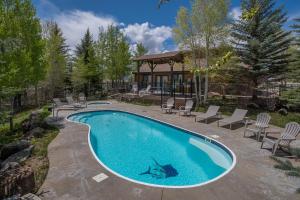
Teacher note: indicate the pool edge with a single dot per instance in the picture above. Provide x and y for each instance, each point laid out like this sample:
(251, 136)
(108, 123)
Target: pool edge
(220, 144)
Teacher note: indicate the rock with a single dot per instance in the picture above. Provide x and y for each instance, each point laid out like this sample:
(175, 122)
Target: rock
(10, 165)
(19, 157)
(283, 111)
(36, 119)
(37, 132)
(12, 148)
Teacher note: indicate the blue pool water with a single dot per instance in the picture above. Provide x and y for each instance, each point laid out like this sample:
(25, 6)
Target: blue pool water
(147, 151)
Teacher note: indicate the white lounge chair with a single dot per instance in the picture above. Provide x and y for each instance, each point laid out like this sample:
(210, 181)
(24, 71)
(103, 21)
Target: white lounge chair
(186, 110)
(288, 135)
(82, 99)
(60, 106)
(71, 102)
(145, 91)
(212, 112)
(238, 116)
(261, 123)
(168, 106)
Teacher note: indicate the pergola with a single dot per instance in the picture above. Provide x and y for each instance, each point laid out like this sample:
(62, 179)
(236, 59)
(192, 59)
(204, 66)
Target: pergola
(152, 60)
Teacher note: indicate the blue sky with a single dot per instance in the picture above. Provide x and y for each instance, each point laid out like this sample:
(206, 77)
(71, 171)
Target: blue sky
(140, 20)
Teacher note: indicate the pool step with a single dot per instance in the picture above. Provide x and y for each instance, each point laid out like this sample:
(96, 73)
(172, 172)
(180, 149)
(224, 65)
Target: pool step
(100, 177)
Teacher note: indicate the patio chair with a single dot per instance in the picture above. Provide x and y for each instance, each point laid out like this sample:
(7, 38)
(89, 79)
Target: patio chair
(146, 91)
(186, 110)
(168, 106)
(71, 102)
(212, 112)
(82, 99)
(238, 116)
(261, 123)
(288, 135)
(60, 106)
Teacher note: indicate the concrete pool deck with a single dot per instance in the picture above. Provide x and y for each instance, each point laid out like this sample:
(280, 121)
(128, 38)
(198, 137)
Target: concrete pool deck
(72, 167)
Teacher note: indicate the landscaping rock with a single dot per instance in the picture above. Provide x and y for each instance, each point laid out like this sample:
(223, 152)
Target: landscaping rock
(283, 111)
(19, 157)
(37, 132)
(10, 165)
(12, 148)
(35, 120)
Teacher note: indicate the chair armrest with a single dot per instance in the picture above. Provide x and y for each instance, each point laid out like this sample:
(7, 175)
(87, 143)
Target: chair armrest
(181, 108)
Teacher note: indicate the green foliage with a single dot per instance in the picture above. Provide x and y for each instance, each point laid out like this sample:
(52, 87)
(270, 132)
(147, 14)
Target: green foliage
(87, 70)
(261, 43)
(112, 49)
(291, 98)
(140, 50)
(293, 72)
(56, 57)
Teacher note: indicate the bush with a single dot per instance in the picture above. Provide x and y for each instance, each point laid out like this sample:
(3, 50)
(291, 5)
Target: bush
(291, 99)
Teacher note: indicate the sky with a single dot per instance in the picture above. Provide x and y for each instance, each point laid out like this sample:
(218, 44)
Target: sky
(140, 20)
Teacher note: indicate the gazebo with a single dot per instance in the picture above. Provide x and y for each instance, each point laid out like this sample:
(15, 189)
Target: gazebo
(153, 60)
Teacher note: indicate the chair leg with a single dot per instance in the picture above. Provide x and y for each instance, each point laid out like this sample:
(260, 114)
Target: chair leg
(230, 126)
(275, 146)
(262, 143)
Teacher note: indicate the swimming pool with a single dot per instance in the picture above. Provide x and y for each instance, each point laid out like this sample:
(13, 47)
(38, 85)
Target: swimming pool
(153, 153)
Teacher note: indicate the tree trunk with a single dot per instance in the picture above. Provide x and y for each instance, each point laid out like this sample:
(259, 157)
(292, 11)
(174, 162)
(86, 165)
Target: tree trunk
(206, 74)
(196, 90)
(36, 94)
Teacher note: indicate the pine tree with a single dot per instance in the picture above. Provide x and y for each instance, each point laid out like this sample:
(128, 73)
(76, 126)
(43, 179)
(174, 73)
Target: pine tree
(86, 72)
(260, 41)
(56, 58)
(294, 67)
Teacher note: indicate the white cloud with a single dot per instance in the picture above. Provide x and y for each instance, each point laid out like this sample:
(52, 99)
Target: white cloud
(235, 13)
(153, 38)
(75, 23)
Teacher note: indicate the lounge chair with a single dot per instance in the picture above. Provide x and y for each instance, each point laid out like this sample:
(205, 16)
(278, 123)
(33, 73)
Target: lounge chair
(261, 123)
(288, 135)
(71, 102)
(146, 91)
(60, 106)
(212, 112)
(238, 116)
(82, 99)
(186, 110)
(168, 106)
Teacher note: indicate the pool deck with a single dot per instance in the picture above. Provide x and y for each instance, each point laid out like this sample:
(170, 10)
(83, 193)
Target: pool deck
(72, 167)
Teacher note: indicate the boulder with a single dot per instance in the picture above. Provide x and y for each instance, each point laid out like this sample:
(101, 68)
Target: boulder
(18, 157)
(12, 148)
(10, 165)
(36, 119)
(37, 132)
(283, 111)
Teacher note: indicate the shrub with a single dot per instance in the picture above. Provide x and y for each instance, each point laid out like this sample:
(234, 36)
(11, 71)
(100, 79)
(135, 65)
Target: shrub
(291, 99)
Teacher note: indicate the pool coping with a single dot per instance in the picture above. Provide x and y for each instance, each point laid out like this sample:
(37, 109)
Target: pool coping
(221, 145)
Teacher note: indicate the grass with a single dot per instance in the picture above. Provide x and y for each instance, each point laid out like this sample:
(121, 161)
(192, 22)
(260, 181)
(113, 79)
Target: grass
(228, 106)
(38, 161)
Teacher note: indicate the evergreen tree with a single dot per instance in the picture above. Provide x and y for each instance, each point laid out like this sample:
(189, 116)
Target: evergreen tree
(56, 57)
(86, 71)
(259, 40)
(294, 67)
(140, 50)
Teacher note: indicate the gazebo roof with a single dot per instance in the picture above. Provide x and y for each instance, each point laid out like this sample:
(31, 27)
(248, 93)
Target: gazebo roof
(176, 56)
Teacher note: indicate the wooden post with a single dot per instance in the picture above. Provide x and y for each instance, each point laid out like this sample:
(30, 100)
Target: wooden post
(139, 64)
(171, 63)
(182, 82)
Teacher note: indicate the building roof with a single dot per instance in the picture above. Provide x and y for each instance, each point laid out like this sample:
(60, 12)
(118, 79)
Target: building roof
(166, 67)
(176, 56)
